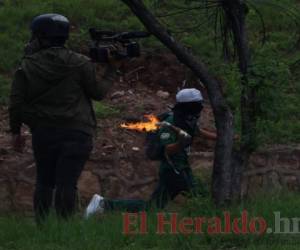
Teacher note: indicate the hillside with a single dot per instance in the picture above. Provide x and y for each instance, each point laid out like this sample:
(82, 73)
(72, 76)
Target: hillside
(118, 167)
(275, 64)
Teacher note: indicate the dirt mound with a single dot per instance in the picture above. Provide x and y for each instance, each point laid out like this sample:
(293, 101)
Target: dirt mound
(117, 167)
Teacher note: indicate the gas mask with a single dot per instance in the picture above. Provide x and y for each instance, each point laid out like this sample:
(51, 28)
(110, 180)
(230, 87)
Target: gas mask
(186, 116)
(187, 122)
(192, 121)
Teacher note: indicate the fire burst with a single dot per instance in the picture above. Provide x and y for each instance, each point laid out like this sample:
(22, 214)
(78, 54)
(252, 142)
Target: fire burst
(151, 125)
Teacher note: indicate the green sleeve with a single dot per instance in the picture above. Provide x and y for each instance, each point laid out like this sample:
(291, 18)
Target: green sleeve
(17, 100)
(93, 88)
(167, 136)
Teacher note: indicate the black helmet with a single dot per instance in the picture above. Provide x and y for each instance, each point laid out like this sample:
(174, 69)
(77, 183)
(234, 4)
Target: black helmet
(49, 26)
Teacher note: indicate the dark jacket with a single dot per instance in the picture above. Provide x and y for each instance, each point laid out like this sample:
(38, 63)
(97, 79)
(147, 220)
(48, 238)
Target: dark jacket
(54, 88)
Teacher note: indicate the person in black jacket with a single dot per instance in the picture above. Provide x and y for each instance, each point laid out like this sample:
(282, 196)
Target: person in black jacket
(51, 93)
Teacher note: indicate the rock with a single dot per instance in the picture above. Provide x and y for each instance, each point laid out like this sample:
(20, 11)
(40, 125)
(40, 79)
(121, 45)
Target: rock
(271, 181)
(163, 94)
(135, 149)
(292, 183)
(108, 147)
(288, 161)
(258, 161)
(23, 197)
(273, 169)
(117, 94)
(127, 170)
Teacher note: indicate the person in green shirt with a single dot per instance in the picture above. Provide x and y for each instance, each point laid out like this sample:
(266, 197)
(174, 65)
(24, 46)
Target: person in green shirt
(176, 135)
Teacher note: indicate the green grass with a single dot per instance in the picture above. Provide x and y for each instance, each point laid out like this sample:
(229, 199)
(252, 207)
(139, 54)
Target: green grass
(106, 231)
(103, 110)
(16, 16)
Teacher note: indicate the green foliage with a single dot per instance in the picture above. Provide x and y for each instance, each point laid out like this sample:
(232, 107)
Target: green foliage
(276, 108)
(270, 74)
(275, 71)
(16, 16)
(105, 232)
(4, 90)
(103, 110)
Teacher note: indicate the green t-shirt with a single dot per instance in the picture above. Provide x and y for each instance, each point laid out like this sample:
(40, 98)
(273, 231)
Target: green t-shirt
(168, 136)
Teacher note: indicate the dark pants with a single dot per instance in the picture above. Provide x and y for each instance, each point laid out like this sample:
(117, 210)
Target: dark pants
(169, 186)
(60, 156)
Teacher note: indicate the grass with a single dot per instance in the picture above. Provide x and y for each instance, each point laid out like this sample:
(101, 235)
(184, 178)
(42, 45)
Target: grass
(103, 110)
(17, 15)
(105, 232)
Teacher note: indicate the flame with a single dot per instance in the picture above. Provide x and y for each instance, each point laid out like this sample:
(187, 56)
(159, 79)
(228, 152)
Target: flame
(143, 126)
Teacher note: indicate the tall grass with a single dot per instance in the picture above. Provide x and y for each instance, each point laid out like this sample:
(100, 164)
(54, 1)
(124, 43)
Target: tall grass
(106, 231)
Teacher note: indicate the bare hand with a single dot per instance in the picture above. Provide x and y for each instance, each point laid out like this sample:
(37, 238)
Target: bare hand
(18, 142)
(112, 60)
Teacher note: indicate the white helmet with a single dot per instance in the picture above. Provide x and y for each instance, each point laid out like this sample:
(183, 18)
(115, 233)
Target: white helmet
(189, 95)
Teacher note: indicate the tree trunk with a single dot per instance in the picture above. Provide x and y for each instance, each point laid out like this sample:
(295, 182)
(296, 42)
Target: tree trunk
(236, 12)
(221, 188)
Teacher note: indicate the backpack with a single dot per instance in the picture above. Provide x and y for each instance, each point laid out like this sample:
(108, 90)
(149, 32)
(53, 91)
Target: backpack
(153, 147)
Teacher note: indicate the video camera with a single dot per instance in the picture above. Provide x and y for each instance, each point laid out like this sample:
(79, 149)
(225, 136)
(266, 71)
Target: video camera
(117, 44)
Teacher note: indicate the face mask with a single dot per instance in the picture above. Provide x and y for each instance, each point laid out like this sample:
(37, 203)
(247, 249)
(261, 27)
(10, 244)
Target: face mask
(186, 122)
(191, 121)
